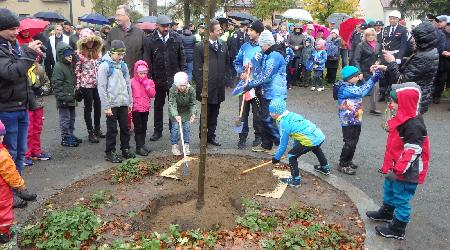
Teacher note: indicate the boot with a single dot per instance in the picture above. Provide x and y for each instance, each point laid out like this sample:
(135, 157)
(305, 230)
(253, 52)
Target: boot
(385, 213)
(99, 133)
(69, 142)
(156, 136)
(257, 141)
(5, 238)
(113, 157)
(19, 203)
(242, 141)
(92, 137)
(395, 229)
(176, 150)
(142, 152)
(139, 138)
(187, 149)
(127, 154)
(76, 139)
(26, 195)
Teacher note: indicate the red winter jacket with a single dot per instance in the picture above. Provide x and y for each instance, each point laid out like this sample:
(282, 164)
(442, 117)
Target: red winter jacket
(408, 146)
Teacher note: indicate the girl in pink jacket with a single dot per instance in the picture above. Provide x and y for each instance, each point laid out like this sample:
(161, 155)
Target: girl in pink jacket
(142, 90)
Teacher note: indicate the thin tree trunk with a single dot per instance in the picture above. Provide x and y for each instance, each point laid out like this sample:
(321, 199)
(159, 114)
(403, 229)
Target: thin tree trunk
(204, 111)
(152, 7)
(187, 12)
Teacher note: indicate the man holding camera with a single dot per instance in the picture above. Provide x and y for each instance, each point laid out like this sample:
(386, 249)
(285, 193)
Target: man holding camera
(14, 91)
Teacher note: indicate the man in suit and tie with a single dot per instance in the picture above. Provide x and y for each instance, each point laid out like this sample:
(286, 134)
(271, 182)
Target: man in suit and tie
(219, 76)
(53, 41)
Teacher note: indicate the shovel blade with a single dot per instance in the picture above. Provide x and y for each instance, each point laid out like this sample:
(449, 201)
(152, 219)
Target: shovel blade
(238, 129)
(185, 169)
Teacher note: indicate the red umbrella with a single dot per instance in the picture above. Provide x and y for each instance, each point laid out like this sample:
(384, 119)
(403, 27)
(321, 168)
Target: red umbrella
(34, 26)
(318, 27)
(146, 26)
(347, 27)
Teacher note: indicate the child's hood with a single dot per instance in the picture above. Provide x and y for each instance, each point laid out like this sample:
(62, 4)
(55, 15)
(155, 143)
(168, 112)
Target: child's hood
(408, 99)
(88, 36)
(60, 48)
(137, 64)
(107, 58)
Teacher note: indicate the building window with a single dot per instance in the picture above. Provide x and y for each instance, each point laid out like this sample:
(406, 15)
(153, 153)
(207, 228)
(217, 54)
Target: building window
(82, 3)
(23, 1)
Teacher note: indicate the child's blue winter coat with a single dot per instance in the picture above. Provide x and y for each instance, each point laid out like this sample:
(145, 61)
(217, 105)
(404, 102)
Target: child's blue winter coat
(320, 57)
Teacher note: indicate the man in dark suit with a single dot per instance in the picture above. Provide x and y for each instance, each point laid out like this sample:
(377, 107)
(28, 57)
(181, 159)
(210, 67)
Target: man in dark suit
(219, 76)
(378, 26)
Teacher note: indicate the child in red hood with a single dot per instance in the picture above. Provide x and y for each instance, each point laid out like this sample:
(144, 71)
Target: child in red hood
(142, 90)
(405, 161)
(9, 178)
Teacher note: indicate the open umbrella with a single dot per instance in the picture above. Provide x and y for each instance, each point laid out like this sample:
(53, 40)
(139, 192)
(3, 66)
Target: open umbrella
(146, 26)
(242, 16)
(49, 16)
(337, 18)
(298, 14)
(318, 27)
(347, 27)
(147, 19)
(34, 26)
(94, 18)
(223, 20)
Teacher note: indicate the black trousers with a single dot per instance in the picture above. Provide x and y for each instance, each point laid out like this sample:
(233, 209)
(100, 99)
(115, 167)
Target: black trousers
(299, 150)
(295, 64)
(441, 82)
(211, 121)
(270, 134)
(91, 99)
(140, 127)
(160, 100)
(120, 115)
(351, 138)
(331, 75)
(255, 105)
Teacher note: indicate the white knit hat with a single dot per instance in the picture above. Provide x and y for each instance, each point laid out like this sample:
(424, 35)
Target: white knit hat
(266, 38)
(180, 79)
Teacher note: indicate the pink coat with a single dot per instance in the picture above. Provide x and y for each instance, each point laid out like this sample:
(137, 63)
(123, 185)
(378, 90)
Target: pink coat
(142, 89)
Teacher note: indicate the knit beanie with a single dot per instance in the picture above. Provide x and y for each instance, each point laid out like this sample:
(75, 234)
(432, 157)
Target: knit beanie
(277, 106)
(266, 38)
(257, 26)
(348, 72)
(118, 46)
(2, 129)
(8, 19)
(180, 78)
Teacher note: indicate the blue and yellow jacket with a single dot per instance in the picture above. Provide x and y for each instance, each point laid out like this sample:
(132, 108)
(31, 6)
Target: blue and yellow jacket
(245, 55)
(300, 129)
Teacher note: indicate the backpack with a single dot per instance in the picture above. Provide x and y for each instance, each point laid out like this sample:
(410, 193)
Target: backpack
(112, 67)
(332, 50)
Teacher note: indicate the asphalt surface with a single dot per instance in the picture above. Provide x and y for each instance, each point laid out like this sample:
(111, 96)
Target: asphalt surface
(429, 228)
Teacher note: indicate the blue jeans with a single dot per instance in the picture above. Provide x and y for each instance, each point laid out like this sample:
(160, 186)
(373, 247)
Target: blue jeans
(190, 67)
(398, 194)
(175, 133)
(15, 140)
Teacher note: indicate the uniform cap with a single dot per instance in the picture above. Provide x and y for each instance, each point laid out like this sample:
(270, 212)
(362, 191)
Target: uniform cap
(396, 13)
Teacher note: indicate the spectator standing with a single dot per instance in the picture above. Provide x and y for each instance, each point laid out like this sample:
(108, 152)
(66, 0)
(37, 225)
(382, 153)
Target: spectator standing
(355, 39)
(164, 54)
(188, 43)
(306, 58)
(320, 58)
(67, 29)
(24, 37)
(14, 89)
(53, 41)
(368, 53)
(200, 33)
(296, 42)
(282, 34)
(344, 52)
(443, 76)
(73, 39)
(219, 76)
(332, 47)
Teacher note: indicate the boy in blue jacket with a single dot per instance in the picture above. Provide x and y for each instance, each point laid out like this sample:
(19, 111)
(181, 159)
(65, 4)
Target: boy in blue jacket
(320, 57)
(307, 137)
(349, 92)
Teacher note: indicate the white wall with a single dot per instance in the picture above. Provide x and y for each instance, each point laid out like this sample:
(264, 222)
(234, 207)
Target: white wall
(371, 9)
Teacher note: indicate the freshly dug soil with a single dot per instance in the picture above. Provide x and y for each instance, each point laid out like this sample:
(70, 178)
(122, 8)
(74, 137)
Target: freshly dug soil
(154, 202)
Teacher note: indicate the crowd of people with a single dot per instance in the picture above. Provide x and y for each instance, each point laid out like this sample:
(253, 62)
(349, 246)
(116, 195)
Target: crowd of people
(118, 70)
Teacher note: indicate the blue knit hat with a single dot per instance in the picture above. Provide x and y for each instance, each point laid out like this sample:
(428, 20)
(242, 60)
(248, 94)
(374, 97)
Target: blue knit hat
(277, 106)
(348, 72)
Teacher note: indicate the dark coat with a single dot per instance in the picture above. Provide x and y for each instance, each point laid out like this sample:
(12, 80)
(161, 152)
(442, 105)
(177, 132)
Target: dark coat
(164, 60)
(235, 42)
(188, 44)
(63, 79)
(14, 89)
(422, 66)
(296, 40)
(134, 43)
(330, 63)
(443, 45)
(219, 72)
(365, 57)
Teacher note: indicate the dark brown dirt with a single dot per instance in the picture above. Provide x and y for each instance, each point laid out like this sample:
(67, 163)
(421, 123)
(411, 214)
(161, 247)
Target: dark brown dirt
(155, 202)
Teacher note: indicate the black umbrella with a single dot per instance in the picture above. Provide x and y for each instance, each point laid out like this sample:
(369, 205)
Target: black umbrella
(242, 16)
(49, 16)
(147, 19)
(337, 18)
(223, 20)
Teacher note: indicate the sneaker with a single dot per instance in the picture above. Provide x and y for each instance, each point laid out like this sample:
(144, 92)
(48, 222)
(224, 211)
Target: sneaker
(322, 169)
(385, 213)
(187, 149)
(259, 148)
(241, 143)
(141, 151)
(41, 157)
(176, 150)
(346, 169)
(156, 136)
(113, 157)
(127, 154)
(395, 229)
(353, 165)
(92, 137)
(320, 89)
(28, 162)
(76, 139)
(99, 133)
(291, 182)
(256, 142)
(69, 142)
(313, 88)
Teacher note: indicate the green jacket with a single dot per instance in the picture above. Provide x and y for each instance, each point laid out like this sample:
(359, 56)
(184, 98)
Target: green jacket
(182, 104)
(63, 79)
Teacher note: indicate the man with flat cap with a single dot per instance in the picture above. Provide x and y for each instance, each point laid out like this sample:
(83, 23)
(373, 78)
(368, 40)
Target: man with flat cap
(164, 53)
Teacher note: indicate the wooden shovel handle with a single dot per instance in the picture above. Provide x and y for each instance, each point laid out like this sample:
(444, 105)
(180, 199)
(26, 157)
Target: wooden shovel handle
(260, 166)
(243, 98)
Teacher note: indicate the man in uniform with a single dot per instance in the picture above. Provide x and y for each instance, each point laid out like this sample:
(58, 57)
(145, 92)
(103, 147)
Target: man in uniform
(379, 29)
(238, 38)
(395, 42)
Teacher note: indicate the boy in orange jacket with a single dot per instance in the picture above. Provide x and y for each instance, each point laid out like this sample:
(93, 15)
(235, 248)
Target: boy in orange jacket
(9, 178)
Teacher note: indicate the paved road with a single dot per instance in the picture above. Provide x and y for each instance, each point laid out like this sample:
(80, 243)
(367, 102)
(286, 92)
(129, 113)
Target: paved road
(429, 229)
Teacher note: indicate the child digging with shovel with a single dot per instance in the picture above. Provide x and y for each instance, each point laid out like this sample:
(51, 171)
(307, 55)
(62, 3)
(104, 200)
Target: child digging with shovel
(307, 137)
(181, 108)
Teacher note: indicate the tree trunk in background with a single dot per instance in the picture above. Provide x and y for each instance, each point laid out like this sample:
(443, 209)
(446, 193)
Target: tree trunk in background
(152, 7)
(187, 12)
